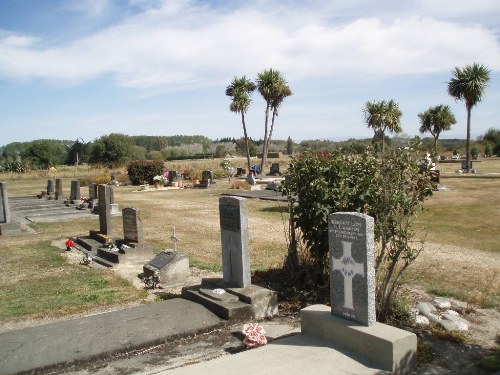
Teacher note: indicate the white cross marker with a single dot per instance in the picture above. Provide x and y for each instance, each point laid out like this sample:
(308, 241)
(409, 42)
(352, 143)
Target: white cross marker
(349, 268)
(174, 239)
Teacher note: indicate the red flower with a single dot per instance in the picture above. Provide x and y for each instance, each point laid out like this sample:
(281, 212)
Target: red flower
(70, 243)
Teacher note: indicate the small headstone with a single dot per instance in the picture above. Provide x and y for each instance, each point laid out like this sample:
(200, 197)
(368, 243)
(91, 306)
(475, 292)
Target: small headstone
(235, 242)
(207, 176)
(172, 176)
(171, 266)
(59, 188)
(104, 196)
(92, 191)
(251, 180)
(4, 203)
(132, 225)
(50, 187)
(352, 266)
(275, 169)
(75, 191)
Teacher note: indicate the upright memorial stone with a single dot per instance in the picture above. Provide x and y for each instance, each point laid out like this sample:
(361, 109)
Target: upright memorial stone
(352, 266)
(104, 196)
(59, 188)
(132, 225)
(92, 191)
(235, 243)
(4, 203)
(50, 188)
(75, 191)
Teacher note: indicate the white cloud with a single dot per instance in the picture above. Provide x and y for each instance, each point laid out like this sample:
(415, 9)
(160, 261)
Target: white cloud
(182, 44)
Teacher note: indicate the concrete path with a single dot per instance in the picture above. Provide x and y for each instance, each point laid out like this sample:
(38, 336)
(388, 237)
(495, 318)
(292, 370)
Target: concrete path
(294, 355)
(95, 335)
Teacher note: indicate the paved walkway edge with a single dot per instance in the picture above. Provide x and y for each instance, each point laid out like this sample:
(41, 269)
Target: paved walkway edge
(99, 335)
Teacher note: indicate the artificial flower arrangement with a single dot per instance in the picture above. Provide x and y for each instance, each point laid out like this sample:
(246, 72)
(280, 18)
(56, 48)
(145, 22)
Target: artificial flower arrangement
(159, 180)
(255, 335)
(69, 244)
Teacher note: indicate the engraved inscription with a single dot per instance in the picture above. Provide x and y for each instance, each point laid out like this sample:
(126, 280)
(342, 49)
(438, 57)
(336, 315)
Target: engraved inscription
(230, 217)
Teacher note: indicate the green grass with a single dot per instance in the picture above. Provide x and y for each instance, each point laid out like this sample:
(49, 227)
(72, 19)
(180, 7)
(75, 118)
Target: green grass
(39, 282)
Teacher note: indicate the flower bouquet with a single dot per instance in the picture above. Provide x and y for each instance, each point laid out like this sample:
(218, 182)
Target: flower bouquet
(69, 244)
(255, 335)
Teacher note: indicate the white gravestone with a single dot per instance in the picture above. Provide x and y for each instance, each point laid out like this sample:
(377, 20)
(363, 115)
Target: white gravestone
(352, 266)
(235, 242)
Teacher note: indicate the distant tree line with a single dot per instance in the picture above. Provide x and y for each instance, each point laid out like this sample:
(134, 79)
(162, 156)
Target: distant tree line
(118, 149)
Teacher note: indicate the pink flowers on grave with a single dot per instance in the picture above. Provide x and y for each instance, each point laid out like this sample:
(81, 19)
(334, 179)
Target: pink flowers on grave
(69, 244)
(255, 335)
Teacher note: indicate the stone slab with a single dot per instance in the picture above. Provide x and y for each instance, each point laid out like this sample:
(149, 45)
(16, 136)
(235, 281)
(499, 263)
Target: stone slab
(97, 335)
(379, 345)
(233, 311)
(10, 228)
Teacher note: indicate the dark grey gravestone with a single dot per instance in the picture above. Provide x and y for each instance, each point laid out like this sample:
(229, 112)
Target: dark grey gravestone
(104, 196)
(132, 224)
(275, 169)
(92, 191)
(4, 203)
(50, 187)
(59, 188)
(352, 266)
(75, 191)
(235, 242)
(173, 176)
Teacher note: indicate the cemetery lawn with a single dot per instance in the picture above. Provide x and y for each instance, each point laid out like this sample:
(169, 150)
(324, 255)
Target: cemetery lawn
(461, 256)
(37, 282)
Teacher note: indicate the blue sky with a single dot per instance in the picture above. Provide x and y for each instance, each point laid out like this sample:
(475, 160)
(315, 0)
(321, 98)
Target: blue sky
(85, 68)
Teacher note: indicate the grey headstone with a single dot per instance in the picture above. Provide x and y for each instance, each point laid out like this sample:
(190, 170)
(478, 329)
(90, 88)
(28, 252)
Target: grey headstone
(4, 203)
(75, 191)
(92, 191)
(352, 266)
(50, 187)
(132, 224)
(235, 242)
(251, 180)
(59, 188)
(104, 196)
(207, 175)
(172, 267)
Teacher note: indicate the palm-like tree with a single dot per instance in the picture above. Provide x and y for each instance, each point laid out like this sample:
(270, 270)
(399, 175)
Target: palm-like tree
(382, 116)
(274, 89)
(468, 84)
(436, 120)
(240, 90)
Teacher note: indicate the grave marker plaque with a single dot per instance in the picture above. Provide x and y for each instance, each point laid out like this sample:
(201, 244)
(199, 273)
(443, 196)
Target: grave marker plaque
(132, 224)
(352, 266)
(235, 242)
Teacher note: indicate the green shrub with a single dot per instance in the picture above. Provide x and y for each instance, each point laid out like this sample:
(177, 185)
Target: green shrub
(390, 187)
(143, 171)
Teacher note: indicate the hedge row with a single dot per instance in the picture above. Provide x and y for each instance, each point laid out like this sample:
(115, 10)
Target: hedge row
(143, 171)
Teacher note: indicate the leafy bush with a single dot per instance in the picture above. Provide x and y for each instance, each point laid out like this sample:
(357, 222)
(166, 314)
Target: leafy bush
(391, 188)
(141, 171)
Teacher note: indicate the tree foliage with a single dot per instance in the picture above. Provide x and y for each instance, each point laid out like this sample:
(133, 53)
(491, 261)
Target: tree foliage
(391, 190)
(382, 116)
(240, 90)
(111, 150)
(468, 84)
(274, 90)
(436, 120)
(44, 154)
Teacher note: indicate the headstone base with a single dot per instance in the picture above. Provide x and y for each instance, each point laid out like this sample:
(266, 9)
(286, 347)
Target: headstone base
(115, 210)
(252, 302)
(379, 345)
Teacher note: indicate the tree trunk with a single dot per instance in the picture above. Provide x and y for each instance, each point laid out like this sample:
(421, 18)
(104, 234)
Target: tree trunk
(467, 147)
(247, 147)
(271, 130)
(435, 146)
(264, 147)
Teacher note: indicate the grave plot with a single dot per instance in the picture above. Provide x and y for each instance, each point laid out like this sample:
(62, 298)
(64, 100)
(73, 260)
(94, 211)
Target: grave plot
(234, 297)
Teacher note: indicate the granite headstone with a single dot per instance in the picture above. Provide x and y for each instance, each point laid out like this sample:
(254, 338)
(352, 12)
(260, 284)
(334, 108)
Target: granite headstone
(104, 196)
(352, 266)
(132, 224)
(235, 242)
